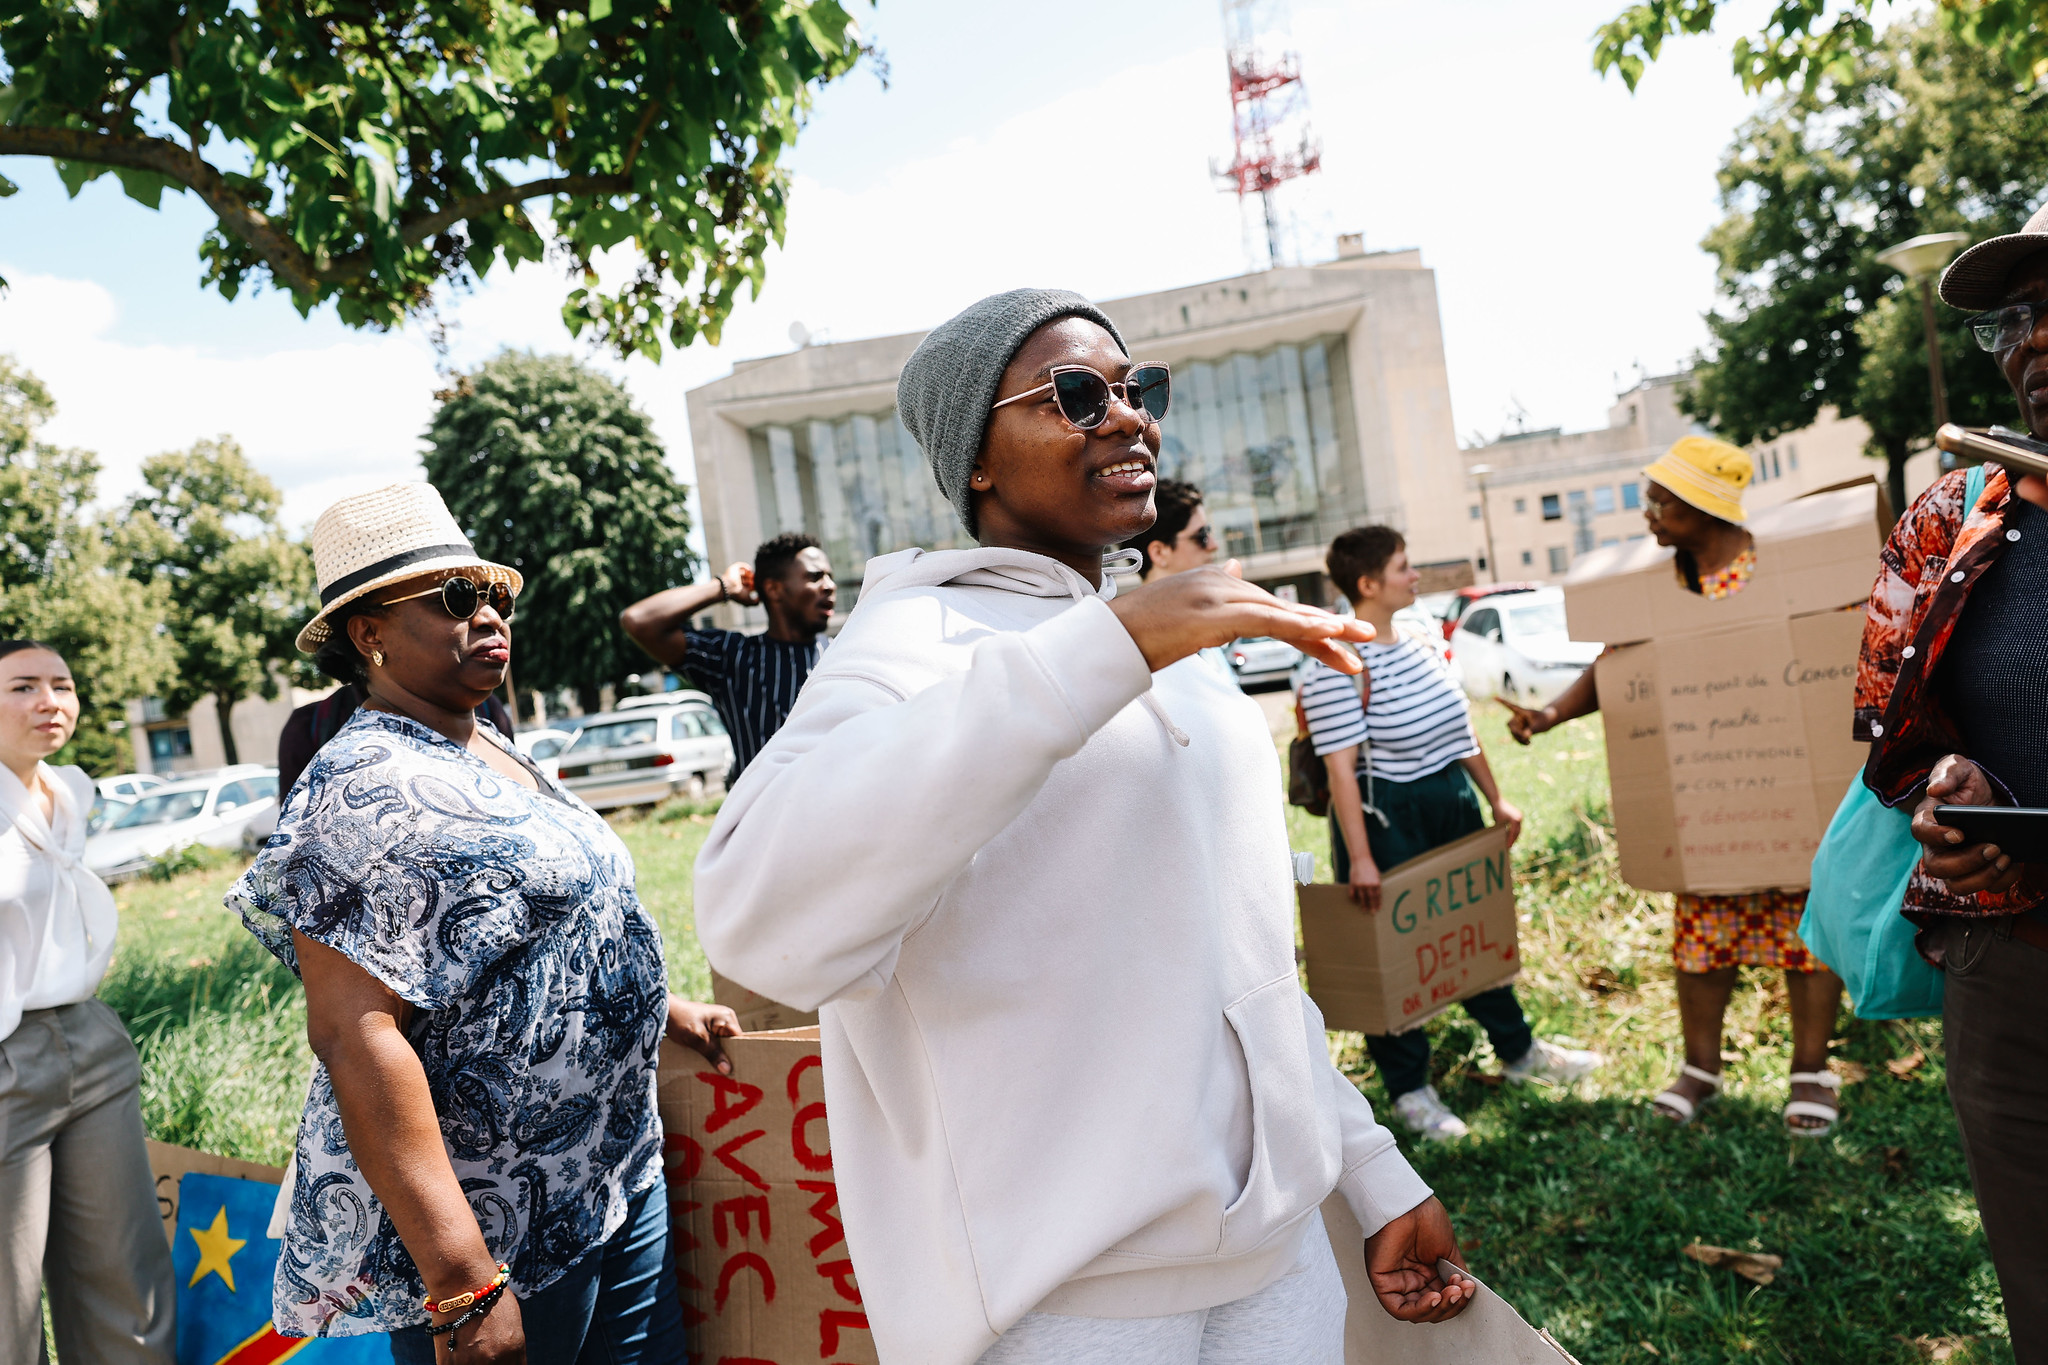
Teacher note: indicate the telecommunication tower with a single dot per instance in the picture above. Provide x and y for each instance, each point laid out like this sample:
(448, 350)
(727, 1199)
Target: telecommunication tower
(1268, 109)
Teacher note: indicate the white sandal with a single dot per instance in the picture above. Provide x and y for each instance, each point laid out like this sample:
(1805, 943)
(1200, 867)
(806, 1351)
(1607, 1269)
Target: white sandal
(1813, 1109)
(1680, 1106)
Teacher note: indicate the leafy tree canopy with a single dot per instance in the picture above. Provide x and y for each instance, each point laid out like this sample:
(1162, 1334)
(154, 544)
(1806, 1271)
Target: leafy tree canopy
(61, 583)
(1805, 41)
(1919, 135)
(206, 529)
(549, 468)
(366, 152)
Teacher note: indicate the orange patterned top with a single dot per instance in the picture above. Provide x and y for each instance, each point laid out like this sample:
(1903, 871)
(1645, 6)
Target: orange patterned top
(1930, 563)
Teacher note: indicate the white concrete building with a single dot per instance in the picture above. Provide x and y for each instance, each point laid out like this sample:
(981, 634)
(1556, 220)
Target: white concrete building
(1543, 498)
(1306, 401)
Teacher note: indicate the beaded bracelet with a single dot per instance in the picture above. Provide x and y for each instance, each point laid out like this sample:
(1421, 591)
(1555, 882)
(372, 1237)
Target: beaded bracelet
(482, 1306)
(455, 1301)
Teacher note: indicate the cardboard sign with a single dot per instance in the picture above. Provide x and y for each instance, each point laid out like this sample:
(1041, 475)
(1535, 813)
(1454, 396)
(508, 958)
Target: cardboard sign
(761, 1256)
(758, 1014)
(1728, 722)
(1490, 1332)
(1728, 751)
(1813, 554)
(1445, 931)
(168, 1163)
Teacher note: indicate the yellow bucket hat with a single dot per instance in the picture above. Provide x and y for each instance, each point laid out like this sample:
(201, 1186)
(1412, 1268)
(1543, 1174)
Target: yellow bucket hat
(1706, 473)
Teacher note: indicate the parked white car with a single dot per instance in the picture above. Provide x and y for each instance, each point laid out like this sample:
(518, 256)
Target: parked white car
(667, 745)
(544, 747)
(1517, 646)
(1257, 660)
(215, 809)
(129, 786)
(105, 810)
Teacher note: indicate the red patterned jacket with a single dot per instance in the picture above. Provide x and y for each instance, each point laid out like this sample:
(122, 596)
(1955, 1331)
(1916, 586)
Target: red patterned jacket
(1930, 564)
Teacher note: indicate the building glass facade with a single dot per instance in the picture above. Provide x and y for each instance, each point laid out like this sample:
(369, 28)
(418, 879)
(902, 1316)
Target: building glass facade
(859, 484)
(1267, 436)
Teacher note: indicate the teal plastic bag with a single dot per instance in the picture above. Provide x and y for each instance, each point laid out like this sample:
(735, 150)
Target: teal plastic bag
(1852, 919)
(1860, 872)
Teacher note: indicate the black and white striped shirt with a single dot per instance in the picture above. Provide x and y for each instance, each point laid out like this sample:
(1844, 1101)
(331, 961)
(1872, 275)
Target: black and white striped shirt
(1418, 719)
(752, 680)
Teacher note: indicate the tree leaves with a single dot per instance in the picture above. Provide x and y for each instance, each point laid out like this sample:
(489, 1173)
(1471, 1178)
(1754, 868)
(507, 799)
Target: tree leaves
(1806, 42)
(1920, 135)
(369, 153)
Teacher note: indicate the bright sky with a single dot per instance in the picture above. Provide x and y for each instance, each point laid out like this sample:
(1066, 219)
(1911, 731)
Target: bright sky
(1061, 144)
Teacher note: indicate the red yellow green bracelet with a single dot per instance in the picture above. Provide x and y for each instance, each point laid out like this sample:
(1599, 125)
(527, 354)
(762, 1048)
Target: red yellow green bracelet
(459, 1301)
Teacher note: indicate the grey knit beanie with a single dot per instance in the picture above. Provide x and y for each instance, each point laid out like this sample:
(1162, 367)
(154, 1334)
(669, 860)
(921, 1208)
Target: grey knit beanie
(950, 381)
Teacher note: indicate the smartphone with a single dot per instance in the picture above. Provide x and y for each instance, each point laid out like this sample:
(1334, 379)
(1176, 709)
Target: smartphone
(1995, 445)
(2019, 831)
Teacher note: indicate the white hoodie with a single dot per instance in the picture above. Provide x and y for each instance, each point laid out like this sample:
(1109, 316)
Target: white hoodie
(1067, 1061)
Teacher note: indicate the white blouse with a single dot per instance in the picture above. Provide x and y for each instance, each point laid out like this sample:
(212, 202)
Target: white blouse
(57, 920)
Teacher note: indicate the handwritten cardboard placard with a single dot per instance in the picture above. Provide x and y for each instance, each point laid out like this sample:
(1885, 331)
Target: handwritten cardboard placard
(761, 1255)
(1445, 932)
(168, 1162)
(1728, 751)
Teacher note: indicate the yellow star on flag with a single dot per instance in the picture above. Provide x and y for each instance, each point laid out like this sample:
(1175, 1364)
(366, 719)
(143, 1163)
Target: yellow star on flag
(216, 1251)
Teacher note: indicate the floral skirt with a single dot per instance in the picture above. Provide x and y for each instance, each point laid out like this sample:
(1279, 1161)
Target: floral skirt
(1758, 929)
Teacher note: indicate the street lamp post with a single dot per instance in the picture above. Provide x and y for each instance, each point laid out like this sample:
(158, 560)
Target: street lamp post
(1921, 259)
(1479, 472)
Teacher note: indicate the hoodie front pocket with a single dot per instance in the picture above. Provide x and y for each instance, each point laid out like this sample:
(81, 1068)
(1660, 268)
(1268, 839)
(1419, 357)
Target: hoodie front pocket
(1295, 1140)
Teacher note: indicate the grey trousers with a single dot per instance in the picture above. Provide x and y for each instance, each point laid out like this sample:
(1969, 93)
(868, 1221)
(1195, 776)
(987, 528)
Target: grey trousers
(78, 1205)
(1995, 1039)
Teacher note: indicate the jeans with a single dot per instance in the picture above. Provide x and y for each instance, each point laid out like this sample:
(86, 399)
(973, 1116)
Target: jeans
(616, 1306)
(1421, 815)
(1995, 1040)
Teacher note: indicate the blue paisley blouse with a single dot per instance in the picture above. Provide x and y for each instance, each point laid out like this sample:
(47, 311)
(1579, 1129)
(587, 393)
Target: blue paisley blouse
(508, 918)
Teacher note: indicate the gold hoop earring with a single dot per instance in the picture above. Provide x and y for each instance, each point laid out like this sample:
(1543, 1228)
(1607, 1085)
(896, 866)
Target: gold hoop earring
(377, 657)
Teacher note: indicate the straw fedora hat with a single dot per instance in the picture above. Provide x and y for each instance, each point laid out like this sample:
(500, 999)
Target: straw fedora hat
(375, 539)
(1976, 279)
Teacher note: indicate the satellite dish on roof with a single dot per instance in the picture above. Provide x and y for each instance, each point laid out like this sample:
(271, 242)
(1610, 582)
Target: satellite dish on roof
(799, 334)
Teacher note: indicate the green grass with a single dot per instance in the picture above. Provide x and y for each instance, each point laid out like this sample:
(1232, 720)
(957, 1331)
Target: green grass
(1577, 1206)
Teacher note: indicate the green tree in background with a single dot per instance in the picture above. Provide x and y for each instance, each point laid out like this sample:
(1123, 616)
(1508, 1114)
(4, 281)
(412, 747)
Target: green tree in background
(60, 583)
(1803, 42)
(1922, 135)
(368, 152)
(205, 530)
(549, 467)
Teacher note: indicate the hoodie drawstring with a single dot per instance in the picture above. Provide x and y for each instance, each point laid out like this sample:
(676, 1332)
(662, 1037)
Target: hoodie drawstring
(1151, 699)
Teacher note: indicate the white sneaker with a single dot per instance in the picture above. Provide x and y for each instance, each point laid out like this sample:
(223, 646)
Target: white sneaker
(1547, 1062)
(1424, 1112)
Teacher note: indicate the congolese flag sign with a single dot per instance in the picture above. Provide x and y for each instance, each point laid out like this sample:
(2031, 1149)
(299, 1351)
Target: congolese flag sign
(224, 1264)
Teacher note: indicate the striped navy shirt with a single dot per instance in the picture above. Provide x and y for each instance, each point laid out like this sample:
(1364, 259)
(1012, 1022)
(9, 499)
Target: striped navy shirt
(1418, 719)
(752, 680)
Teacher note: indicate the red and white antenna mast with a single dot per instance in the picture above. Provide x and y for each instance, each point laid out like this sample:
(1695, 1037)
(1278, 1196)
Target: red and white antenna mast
(1268, 109)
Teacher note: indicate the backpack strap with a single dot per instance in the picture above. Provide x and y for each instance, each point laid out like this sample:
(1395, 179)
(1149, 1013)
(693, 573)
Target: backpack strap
(1365, 704)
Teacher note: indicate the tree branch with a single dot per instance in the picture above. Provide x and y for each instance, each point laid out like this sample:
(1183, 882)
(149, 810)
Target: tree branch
(475, 205)
(292, 267)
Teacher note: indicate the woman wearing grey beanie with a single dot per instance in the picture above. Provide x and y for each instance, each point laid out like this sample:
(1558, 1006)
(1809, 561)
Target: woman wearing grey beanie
(1081, 1109)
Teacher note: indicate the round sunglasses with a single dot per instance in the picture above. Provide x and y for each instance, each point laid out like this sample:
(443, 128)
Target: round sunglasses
(462, 598)
(1084, 395)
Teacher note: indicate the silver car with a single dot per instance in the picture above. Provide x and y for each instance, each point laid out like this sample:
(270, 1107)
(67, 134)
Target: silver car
(215, 809)
(656, 747)
(1257, 660)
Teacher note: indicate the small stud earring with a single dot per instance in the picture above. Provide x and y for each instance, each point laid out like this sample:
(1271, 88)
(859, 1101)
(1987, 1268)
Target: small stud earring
(377, 657)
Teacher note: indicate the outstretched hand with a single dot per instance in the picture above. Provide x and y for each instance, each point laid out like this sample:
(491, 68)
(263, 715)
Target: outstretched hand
(1189, 612)
(1401, 1261)
(1525, 724)
(698, 1027)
